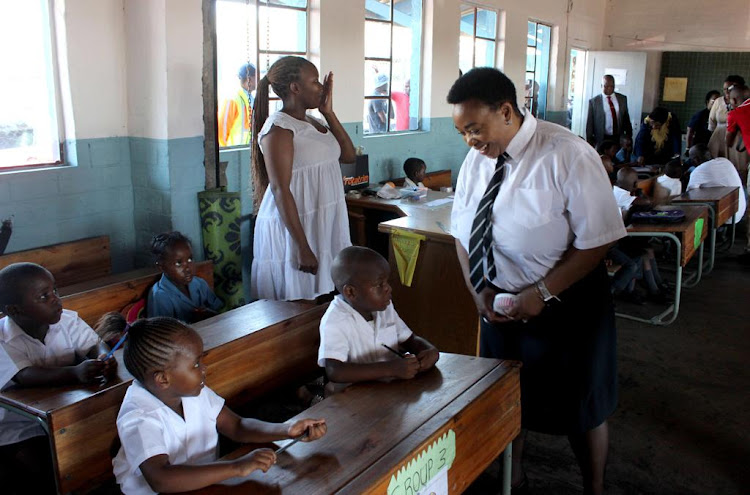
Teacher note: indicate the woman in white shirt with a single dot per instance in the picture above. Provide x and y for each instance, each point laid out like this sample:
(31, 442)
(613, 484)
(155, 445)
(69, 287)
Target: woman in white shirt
(534, 215)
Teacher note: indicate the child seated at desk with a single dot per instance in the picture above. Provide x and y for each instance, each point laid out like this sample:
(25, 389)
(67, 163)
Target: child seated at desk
(43, 346)
(169, 422)
(670, 184)
(179, 293)
(624, 190)
(625, 155)
(415, 170)
(361, 336)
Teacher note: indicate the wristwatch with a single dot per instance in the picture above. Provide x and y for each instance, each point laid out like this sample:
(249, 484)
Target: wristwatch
(545, 295)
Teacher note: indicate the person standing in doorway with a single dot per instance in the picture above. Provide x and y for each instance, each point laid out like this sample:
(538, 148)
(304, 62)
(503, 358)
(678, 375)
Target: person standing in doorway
(608, 117)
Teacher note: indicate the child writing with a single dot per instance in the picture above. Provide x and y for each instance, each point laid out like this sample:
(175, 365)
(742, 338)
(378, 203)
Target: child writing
(361, 322)
(179, 293)
(169, 422)
(415, 169)
(43, 345)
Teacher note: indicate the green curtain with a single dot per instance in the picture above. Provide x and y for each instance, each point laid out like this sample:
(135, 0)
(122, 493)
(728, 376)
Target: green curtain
(220, 219)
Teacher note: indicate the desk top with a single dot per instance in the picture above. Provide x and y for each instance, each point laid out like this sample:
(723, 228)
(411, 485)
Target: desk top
(369, 423)
(399, 206)
(216, 331)
(705, 195)
(692, 213)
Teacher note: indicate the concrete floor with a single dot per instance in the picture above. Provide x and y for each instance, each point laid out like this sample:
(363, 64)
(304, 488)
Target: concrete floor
(683, 421)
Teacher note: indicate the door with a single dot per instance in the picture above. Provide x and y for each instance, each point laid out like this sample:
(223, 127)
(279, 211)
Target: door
(629, 71)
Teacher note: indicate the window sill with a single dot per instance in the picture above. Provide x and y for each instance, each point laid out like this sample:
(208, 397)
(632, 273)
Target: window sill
(395, 134)
(33, 168)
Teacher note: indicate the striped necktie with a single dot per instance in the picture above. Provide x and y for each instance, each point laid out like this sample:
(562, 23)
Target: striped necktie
(480, 241)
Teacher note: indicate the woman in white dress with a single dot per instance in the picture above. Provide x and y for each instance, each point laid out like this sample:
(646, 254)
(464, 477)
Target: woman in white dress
(298, 193)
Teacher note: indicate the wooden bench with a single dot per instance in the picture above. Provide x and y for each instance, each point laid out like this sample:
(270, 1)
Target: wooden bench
(433, 180)
(249, 351)
(94, 298)
(69, 262)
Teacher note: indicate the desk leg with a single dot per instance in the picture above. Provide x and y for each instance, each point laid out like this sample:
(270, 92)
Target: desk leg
(507, 464)
(696, 277)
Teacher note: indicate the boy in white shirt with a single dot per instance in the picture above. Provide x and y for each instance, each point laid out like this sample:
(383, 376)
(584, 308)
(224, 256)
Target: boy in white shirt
(670, 184)
(361, 325)
(43, 345)
(415, 170)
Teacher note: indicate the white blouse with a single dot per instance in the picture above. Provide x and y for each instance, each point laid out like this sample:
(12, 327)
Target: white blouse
(555, 194)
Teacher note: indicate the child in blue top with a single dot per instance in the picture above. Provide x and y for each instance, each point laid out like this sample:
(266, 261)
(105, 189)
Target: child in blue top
(179, 293)
(169, 422)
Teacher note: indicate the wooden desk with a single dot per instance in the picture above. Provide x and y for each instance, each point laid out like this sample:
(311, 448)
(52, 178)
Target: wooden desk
(438, 281)
(375, 429)
(684, 236)
(433, 180)
(81, 420)
(722, 202)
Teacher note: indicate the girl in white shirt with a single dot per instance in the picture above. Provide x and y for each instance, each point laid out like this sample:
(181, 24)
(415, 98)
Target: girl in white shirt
(169, 421)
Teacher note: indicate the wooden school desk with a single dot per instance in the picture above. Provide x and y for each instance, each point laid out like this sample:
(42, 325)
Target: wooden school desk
(687, 242)
(462, 414)
(722, 203)
(81, 419)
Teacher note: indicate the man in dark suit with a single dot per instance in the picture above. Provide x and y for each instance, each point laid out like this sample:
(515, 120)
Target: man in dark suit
(608, 115)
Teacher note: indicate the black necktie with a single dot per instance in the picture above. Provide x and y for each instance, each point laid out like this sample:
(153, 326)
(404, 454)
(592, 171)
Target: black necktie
(480, 241)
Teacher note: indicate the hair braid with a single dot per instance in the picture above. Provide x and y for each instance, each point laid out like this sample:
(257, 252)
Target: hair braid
(161, 243)
(152, 344)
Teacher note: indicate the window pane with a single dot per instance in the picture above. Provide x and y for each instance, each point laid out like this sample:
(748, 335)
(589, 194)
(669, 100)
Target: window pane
(287, 3)
(378, 116)
(377, 78)
(377, 39)
(235, 44)
(467, 20)
(531, 34)
(465, 52)
(485, 55)
(28, 120)
(378, 9)
(486, 22)
(283, 30)
(530, 58)
(407, 35)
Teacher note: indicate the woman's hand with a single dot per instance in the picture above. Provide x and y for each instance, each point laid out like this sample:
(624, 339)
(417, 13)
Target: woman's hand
(307, 262)
(528, 305)
(326, 99)
(484, 301)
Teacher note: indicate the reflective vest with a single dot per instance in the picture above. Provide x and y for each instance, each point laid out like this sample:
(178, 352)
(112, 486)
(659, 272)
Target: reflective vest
(235, 120)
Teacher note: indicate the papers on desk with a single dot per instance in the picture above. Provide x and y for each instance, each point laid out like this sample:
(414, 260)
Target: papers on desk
(435, 203)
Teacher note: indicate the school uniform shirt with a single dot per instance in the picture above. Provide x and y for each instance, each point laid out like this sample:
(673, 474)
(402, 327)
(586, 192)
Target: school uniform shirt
(416, 185)
(555, 194)
(674, 186)
(719, 172)
(623, 198)
(347, 337)
(165, 299)
(67, 342)
(147, 427)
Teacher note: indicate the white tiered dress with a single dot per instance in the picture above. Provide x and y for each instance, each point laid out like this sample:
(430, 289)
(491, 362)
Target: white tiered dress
(318, 191)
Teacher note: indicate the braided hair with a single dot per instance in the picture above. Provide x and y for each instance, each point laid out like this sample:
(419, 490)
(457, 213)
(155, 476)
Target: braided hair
(282, 73)
(152, 343)
(163, 242)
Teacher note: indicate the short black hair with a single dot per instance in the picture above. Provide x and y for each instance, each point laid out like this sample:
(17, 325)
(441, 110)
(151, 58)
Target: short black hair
(712, 93)
(488, 85)
(674, 169)
(14, 281)
(412, 166)
(735, 79)
(349, 263)
(659, 114)
(163, 242)
(605, 145)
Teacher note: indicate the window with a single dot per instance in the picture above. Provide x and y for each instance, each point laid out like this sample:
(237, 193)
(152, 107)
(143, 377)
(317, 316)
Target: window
(259, 32)
(478, 38)
(29, 125)
(537, 68)
(393, 47)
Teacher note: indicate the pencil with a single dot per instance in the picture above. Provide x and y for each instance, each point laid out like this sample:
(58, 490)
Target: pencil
(117, 346)
(285, 447)
(398, 353)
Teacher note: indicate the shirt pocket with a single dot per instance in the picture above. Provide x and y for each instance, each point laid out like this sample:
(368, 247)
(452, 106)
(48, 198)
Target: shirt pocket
(532, 208)
(387, 335)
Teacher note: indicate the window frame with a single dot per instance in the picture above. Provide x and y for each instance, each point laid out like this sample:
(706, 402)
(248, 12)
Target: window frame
(389, 61)
(474, 36)
(48, 18)
(549, 63)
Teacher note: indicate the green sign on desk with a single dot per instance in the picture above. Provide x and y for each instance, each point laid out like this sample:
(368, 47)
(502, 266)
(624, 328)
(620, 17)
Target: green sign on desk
(698, 233)
(418, 471)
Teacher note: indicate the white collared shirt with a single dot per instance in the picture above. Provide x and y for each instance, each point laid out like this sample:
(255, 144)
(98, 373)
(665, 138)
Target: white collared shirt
(67, 342)
(674, 186)
(555, 195)
(623, 198)
(608, 125)
(347, 337)
(147, 427)
(719, 172)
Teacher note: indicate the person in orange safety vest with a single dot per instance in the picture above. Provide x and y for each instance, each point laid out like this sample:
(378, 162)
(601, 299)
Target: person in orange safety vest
(235, 114)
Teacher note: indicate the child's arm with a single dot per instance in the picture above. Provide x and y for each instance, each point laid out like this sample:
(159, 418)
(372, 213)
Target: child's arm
(426, 353)
(341, 372)
(99, 352)
(249, 430)
(163, 477)
(38, 376)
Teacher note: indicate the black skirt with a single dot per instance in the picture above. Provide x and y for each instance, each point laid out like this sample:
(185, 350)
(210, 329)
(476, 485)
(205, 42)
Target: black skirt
(569, 356)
